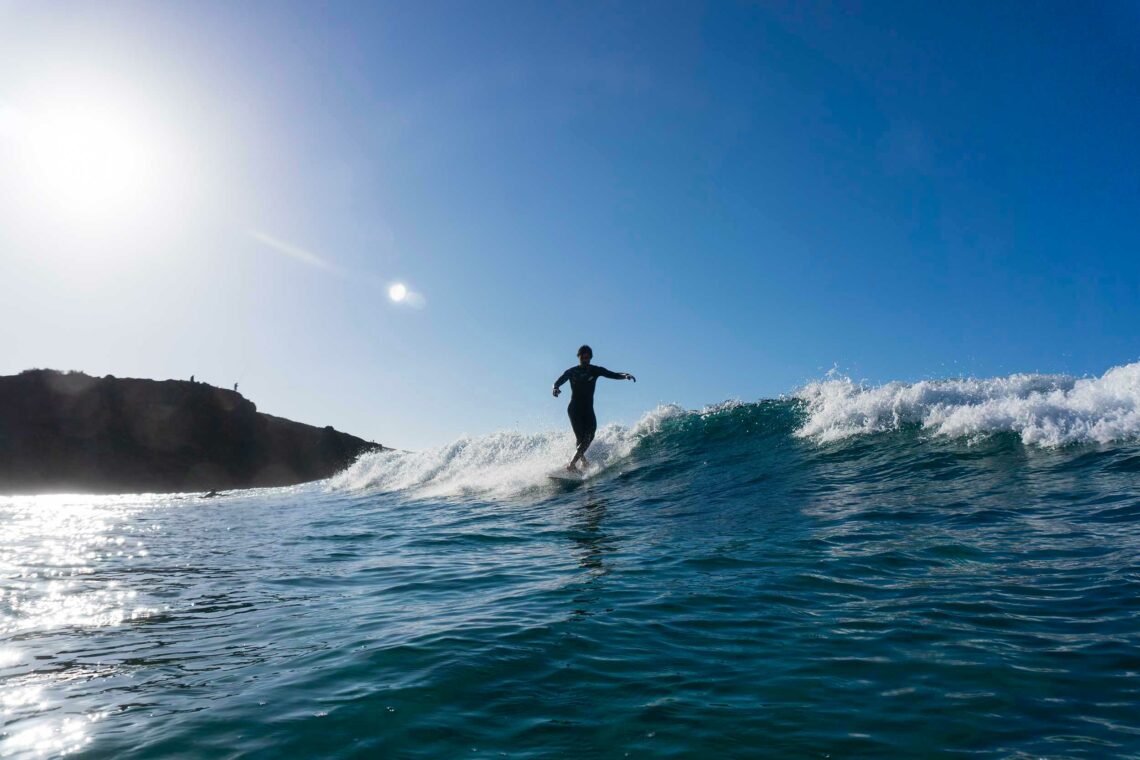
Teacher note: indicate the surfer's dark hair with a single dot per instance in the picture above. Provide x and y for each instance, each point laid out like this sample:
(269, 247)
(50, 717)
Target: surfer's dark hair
(587, 350)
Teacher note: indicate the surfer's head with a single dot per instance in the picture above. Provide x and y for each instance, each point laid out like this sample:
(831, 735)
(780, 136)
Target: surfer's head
(585, 354)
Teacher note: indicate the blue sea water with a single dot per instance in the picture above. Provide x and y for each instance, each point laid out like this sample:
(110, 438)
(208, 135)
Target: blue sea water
(947, 568)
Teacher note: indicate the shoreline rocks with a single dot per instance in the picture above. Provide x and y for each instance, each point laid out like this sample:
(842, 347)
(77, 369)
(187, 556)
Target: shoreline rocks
(73, 433)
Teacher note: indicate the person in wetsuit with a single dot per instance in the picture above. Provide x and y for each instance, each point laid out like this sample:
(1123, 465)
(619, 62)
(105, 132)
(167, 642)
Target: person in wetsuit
(581, 408)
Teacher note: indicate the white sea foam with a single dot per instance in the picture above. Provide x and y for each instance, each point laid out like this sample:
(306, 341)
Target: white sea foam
(495, 464)
(1045, 410)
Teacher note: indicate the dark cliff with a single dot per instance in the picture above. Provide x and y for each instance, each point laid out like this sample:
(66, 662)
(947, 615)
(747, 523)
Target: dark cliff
(72, 433)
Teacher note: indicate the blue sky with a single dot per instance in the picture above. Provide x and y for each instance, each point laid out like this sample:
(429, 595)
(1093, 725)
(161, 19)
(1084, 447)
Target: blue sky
(726, 199)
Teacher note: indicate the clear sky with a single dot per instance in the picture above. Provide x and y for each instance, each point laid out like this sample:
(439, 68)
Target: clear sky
(727, 200)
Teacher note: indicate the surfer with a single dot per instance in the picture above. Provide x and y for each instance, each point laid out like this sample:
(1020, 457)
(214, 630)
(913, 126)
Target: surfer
(581, 408)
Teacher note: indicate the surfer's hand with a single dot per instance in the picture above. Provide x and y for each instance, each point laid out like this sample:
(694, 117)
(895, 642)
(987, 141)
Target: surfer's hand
(556, 392)
(629, 377)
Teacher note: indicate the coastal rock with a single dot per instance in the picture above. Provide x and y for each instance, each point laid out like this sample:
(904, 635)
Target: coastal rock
(73, 433)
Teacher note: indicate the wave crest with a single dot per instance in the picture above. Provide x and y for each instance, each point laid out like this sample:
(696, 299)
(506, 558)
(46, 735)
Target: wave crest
(1045, 410)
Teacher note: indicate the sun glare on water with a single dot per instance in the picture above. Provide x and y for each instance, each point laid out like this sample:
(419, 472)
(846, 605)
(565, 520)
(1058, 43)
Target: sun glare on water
(398, 292)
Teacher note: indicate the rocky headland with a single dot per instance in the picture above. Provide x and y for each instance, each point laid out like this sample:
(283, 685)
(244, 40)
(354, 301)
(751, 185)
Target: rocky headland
(67, 432)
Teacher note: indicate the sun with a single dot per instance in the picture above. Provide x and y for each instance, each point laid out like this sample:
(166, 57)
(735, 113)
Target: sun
(398, 292)
(88, 156)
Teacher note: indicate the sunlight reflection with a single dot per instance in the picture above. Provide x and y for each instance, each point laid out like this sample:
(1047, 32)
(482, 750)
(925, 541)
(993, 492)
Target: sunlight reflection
(51, 737)
(52, 547)
(22, 696)
(10, 657)
(59, 558)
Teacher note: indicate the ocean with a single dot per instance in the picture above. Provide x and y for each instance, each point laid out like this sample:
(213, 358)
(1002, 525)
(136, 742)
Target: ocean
(937, 569)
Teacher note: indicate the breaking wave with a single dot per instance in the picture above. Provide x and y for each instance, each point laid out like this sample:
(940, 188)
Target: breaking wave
(499, 463)
(1044, 410)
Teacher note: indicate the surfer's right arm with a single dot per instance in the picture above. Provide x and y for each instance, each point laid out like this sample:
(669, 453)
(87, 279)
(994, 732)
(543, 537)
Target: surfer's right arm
(561, 379)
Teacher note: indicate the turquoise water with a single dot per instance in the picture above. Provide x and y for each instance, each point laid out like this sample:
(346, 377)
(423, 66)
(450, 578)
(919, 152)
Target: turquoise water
(796, 578)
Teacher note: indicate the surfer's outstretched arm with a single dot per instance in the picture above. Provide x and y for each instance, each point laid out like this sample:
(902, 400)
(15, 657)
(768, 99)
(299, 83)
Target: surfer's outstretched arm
(561, 379)
(616, 375)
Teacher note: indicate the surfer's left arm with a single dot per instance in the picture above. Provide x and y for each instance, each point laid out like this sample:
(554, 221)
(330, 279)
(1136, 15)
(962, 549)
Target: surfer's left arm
(616, 375)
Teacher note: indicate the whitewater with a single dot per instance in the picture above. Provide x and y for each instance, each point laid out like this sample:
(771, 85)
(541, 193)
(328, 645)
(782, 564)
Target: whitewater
(905, 569)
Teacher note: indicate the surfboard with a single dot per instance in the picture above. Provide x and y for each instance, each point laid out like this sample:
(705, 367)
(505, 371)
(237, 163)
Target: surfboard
(565, 476)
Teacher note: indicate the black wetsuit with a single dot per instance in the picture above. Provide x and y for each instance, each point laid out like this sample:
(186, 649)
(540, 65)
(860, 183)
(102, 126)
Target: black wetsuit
(581, 408)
